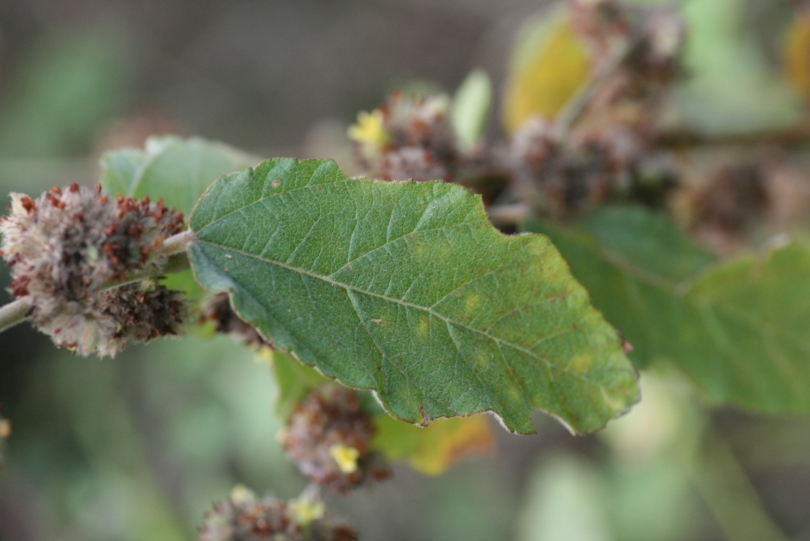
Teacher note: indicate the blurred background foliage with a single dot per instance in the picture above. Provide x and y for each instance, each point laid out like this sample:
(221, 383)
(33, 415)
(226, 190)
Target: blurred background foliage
(139, 447)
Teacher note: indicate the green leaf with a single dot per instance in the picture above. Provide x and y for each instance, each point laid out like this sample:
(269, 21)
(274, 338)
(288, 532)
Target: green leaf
(170, 168)
(738, 329)
(470, 108)
(722, 48)
(405, 288)
(64, 88)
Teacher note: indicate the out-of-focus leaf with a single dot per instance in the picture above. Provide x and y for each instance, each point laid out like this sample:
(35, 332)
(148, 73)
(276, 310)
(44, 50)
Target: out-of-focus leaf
(470, 108)
(649, 475)
(797, 54)
(69, 83)
(171, 168)
(406, 288)
(566, 500)
(730, 88)
(549, 64)
(294, 381)
(433, 449)
(738, 329)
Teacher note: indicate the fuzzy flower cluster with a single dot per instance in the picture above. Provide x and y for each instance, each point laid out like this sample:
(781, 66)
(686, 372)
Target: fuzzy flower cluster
(407, 138)
(64, 247)
(329, 437)
(244, 517)
(560, 178)
(610, 151)
(626, 103)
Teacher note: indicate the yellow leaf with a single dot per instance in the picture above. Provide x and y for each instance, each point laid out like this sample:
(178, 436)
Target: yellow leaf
(549, 65)
(433, 449)
(797, 54)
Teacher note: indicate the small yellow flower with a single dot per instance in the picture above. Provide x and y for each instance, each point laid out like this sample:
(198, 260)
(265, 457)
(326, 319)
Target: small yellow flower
(306, 510)
(345, 456)
(264, 355)
(369, 128)
(241, 495)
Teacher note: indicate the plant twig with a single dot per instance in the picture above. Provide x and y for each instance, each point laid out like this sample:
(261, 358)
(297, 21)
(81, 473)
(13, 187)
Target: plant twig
(728, 492)
(578, 104)
(13, 313)
(511, 214)
(685, 139)
(176, 243)
(176, 263)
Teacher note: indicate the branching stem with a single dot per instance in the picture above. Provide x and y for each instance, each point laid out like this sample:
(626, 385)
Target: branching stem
(579, 103)
(175, 247)
(788, 137)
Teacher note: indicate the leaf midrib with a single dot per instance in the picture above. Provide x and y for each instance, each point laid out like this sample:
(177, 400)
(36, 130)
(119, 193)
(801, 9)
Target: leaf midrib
(446, 319)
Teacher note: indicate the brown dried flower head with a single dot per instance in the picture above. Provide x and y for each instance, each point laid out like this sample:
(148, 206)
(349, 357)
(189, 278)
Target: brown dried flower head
(64, 246)
(328, 437)
(562, 178)
(244, 517)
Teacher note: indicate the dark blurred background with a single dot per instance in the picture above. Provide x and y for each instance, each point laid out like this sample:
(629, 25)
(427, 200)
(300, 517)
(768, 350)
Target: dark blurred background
(138, 447)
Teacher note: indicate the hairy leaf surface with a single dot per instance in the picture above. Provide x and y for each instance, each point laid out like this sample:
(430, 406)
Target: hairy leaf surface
(737, 328)
(405, 288)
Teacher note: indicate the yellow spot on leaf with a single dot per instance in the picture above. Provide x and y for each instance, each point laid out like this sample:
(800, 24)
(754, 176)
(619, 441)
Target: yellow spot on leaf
(580, 364)
(422, 329)
(473, 302)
